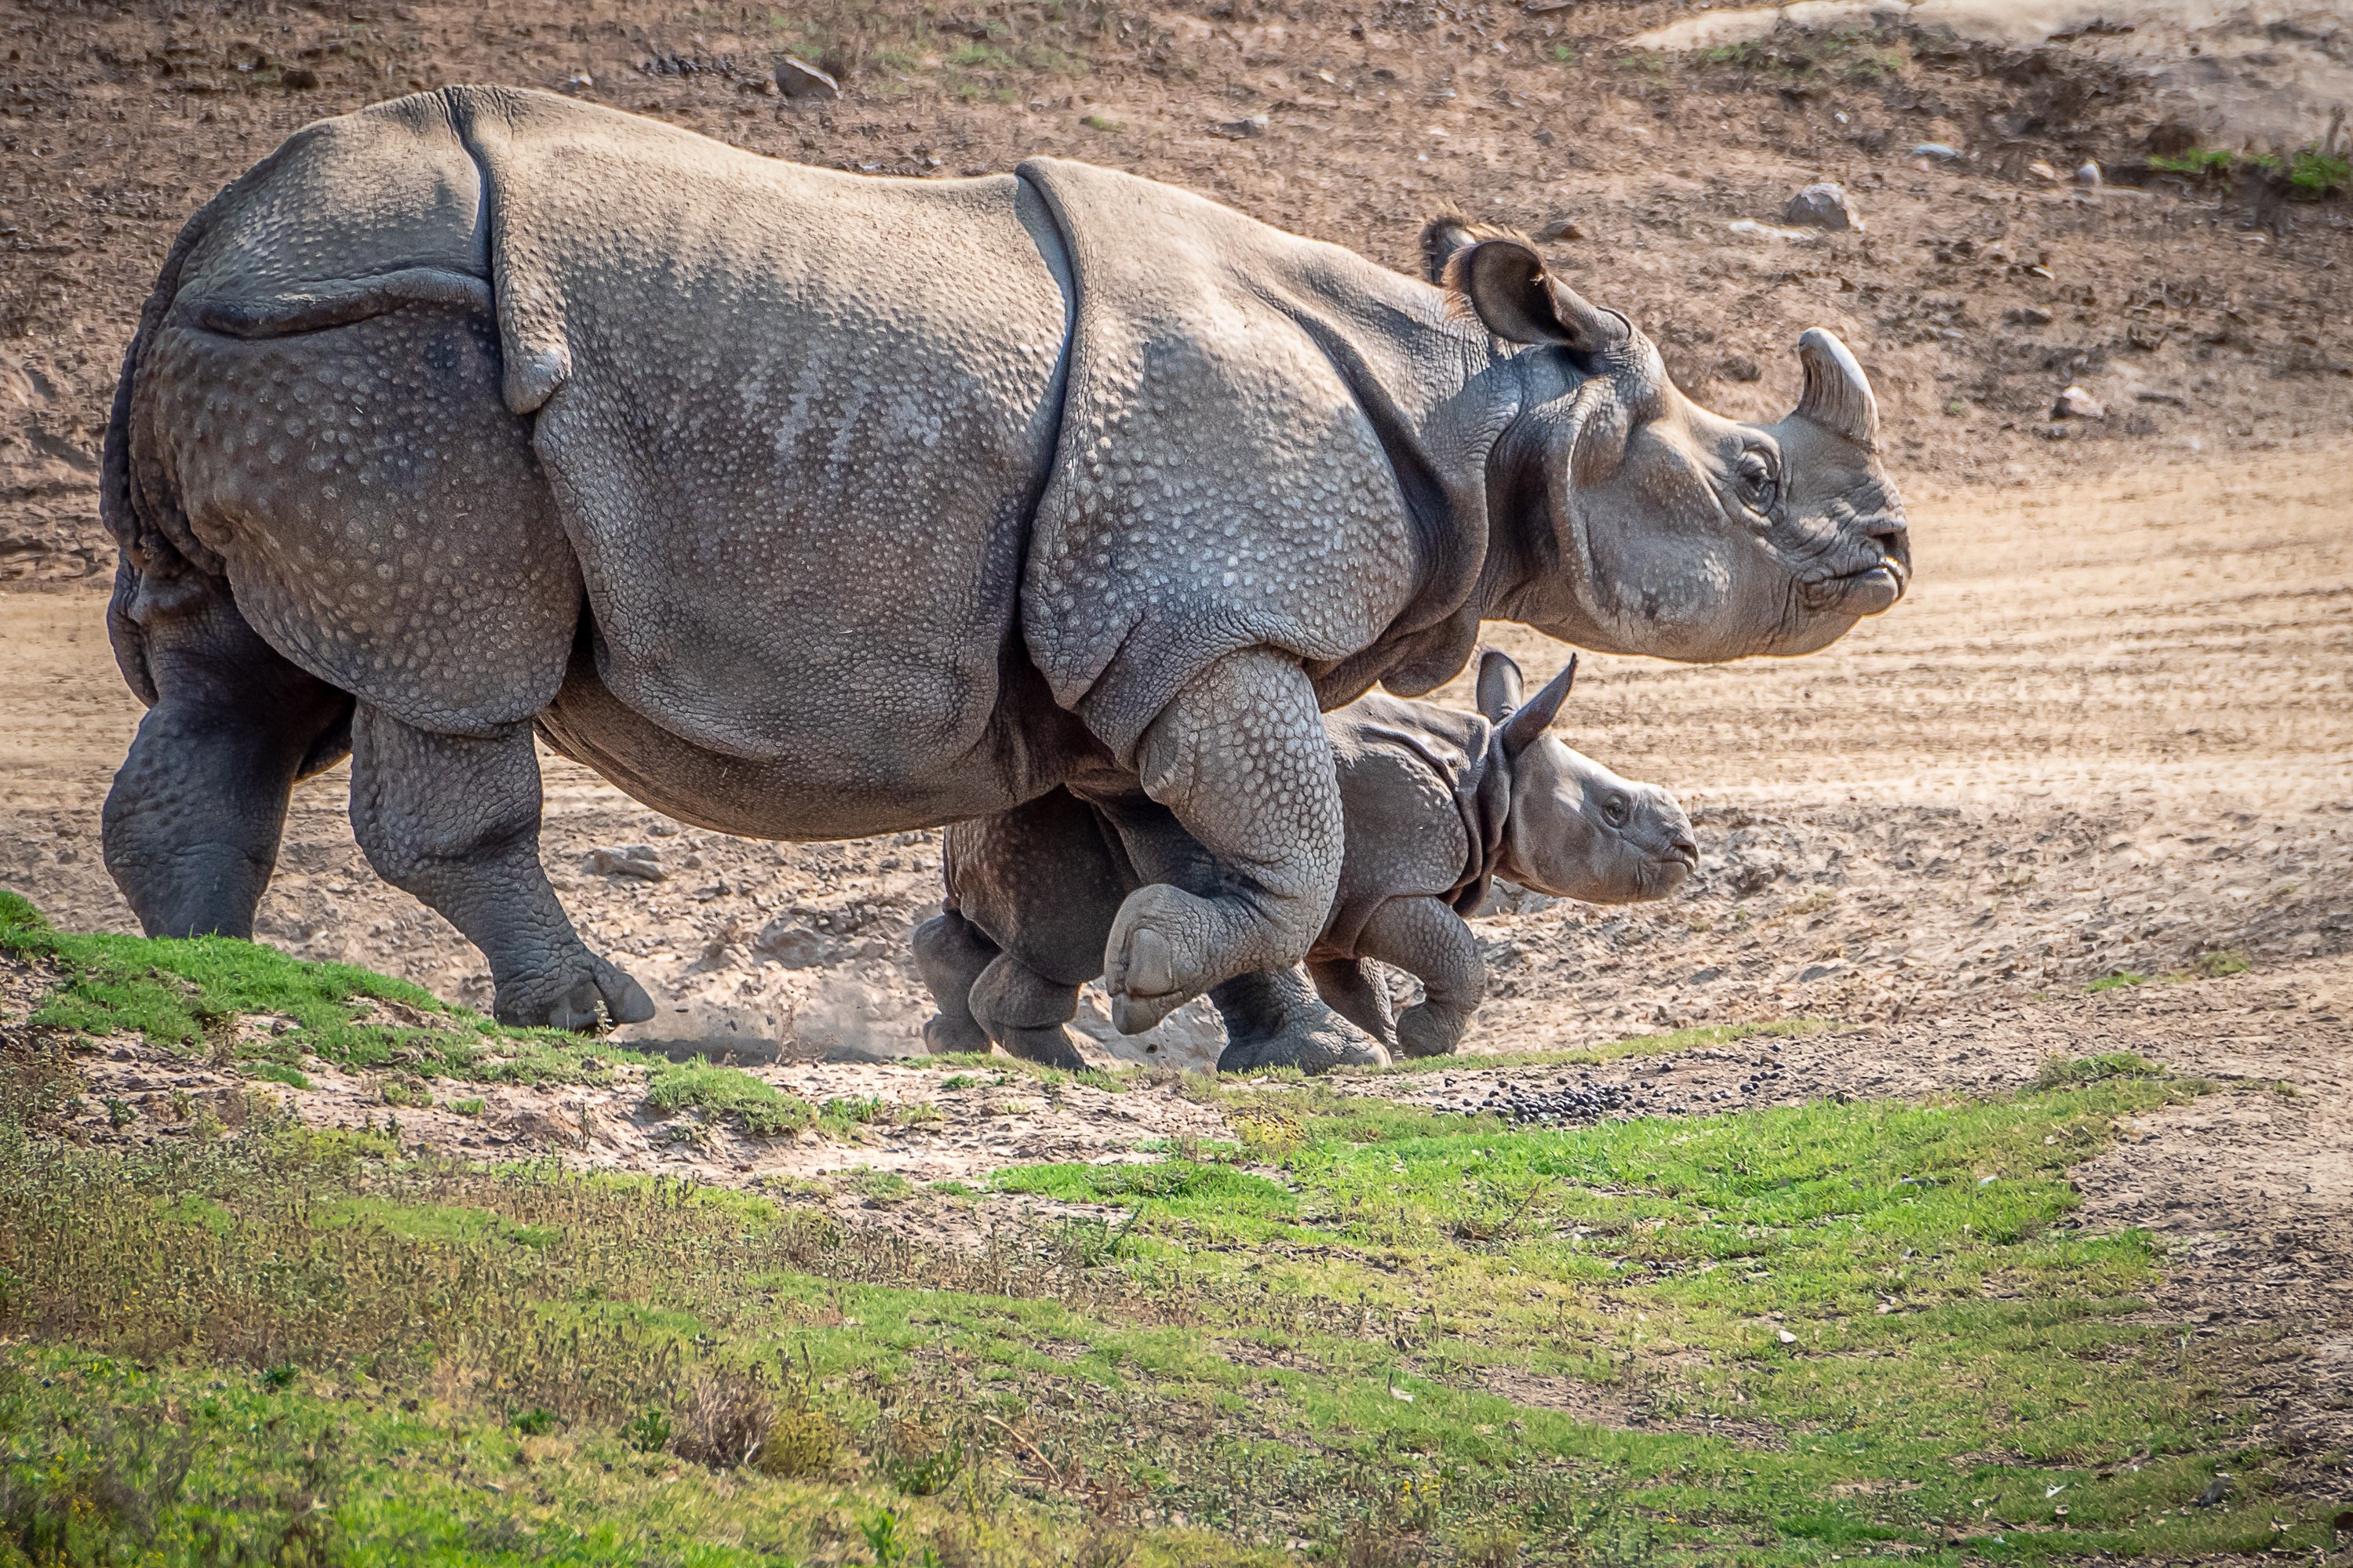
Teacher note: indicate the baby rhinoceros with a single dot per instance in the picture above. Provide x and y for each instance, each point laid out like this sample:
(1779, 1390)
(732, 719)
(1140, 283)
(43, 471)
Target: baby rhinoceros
(1436, 804)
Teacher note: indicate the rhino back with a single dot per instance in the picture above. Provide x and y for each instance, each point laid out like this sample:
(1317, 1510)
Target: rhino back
(1223, 481)
(795, 421)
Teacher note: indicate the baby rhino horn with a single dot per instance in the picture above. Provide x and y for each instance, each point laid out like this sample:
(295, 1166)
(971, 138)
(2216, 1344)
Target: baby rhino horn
(1535, 716)
(1837, 395)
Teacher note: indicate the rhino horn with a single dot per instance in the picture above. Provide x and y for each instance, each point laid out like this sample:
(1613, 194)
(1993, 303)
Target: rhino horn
(1504, 281)
(1533, 717)
(1837, 395)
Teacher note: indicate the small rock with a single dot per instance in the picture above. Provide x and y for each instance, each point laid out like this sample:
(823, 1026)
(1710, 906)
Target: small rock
(1823, 206)
(2077, 403)
(640, 861)
(1544, 135)
(2043, 171)
(1563, 230)
(1739, 367)
(2088, 174)
(1938, 151)
(578, 81)
(790, 944)
(299, 79)
(2029, 316)
(1237, 130)
(798, 78)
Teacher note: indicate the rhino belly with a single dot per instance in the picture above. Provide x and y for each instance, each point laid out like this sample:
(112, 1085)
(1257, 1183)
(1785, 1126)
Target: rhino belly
(1026, 748)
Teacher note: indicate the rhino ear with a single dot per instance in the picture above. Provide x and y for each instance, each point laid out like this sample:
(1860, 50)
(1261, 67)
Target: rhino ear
(1533, 717)
(1504, 281)
(1499, 685)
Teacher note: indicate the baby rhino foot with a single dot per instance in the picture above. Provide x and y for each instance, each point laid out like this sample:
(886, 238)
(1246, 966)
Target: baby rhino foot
(1156, 955)
(1276, 1021)
(1423, 1030)
(582, 994)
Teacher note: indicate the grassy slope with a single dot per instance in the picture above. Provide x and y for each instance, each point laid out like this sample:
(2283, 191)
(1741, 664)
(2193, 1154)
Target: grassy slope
(1386, 1335)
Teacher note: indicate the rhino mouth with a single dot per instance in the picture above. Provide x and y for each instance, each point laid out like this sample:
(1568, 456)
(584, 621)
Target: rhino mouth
(1866, 591)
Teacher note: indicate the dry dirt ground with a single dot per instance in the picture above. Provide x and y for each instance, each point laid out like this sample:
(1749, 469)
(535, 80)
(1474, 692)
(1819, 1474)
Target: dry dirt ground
(2108, 733)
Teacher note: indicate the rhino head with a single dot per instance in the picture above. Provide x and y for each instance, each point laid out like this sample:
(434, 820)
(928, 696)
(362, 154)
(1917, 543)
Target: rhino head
(1576, 829)
(1647, 525)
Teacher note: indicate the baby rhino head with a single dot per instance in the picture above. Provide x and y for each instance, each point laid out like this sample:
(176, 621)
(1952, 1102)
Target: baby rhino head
(1577, 830)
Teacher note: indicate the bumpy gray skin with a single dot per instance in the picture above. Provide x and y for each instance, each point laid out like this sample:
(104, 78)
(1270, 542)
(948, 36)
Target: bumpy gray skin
(1437, 803)
(804, 505)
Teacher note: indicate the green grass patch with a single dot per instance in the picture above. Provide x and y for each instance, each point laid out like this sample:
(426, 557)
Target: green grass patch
(729, 1094)
(1772, 1337)
(188, 995)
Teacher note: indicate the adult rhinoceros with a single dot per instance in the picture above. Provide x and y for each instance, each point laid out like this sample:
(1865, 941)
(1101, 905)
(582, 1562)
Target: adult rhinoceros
(805, 505)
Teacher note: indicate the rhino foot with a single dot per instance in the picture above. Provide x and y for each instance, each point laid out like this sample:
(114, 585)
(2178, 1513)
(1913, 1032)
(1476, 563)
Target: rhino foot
(1423, 1030)
(1053, 1045)
(583, 996)
(947, 1036)
(1274, 1020)
(1152, 964)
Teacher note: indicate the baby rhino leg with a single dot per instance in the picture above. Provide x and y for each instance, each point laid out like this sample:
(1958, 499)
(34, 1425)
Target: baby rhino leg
(454, 819)
(1429, 941)
(1027, 1014)
(1358, 997)
(951, 954)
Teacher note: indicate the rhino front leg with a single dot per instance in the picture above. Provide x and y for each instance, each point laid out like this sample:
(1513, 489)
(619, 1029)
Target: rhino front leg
(1241, 760)
(454, 820)
(951, 954)
(1429, 941)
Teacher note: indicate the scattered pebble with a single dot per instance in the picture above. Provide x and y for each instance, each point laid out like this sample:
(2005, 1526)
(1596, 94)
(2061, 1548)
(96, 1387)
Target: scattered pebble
(2077, 403)
(1527, 1106)
(798, 78)
(640, 861)
(1823, 205)
(1938, 151)
(1249, 125)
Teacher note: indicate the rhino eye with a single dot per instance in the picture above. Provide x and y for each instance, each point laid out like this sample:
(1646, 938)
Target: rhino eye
(1614, 808)
(1760, 486)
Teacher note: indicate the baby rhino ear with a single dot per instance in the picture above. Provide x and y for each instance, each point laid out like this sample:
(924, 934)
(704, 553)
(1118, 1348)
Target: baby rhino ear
(1536, 716)
(1499, 685)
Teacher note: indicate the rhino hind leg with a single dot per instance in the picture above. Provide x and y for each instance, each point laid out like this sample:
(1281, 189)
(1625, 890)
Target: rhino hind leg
(1274, 1020)
(951, 955)
(1240, 759)
(454, 820)
(190, 827)
(1355, 996)
(1027, 1014)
